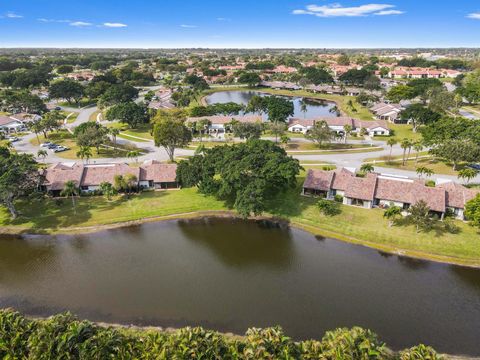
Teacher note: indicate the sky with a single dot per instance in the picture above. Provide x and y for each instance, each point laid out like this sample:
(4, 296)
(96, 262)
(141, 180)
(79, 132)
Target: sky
(239, 23)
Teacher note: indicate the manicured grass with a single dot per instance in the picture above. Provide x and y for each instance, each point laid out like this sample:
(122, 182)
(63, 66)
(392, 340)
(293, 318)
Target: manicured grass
(326, 152)
(439, 167)
(142, 132)
(402, 131)
(93, 116)
(331, 146)
(66, 139)
(71, 118)
(82, 103)
(91, 211)
(353, 224)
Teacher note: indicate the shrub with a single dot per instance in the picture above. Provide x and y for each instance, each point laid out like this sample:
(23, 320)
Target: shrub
(329, 208)
(450, 226)
(328, 168)
(15, 331)
(430, 183)
(355, 343)
(338, 198)
(419, 352)
(65, 337)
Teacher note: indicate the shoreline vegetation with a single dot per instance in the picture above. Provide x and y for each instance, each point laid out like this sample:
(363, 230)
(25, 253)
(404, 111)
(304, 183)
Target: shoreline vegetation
(52, 337)
(353, 225)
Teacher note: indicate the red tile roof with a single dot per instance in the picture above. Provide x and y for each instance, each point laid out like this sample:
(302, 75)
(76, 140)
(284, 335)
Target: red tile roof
(158, 172)
(319, 180)
(362, 188)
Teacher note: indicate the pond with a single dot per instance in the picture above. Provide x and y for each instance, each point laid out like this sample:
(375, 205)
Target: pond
(229, 274)
(314, 108)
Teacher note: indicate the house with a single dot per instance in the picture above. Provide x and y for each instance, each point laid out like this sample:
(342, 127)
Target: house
(388, 112)
(338, 124)
(218, 123)
(383, 190)
(88, 177)
(280, 85)
(11, 125)
(156, 175)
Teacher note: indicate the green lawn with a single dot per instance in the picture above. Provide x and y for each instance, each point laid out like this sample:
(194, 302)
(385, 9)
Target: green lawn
(402, 131)
(353, 224)
(133, 134)
(437, 165)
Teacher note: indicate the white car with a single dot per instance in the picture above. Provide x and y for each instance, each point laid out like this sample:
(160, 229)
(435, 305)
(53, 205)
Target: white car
(46, 144)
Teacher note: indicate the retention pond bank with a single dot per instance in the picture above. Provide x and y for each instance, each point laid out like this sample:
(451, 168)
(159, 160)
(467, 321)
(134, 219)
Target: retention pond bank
(230, 274)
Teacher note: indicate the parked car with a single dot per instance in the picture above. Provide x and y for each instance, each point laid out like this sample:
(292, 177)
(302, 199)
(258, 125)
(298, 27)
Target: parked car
(58, 108)
(52, 146)
(474, 166)
(60, 149)
(46, 144)
(12, 138)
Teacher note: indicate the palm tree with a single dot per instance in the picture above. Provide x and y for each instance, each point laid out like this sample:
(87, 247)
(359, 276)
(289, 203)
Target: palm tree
(70, 189)
(119, 183)
(467, 174)
(410, 145)
(36, 127)
(114, 132)
(417, 146)
(133, 154)
(107, 190)
(404, 145)
(422, 170)
(84, 153)
(391, 142)
(42, 153)
(131, 182)
(367, 168)
(347, 129)
(303, 108)
(391, 214)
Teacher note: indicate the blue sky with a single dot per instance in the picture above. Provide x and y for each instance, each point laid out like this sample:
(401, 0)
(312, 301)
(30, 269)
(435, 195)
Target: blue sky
(240, 23)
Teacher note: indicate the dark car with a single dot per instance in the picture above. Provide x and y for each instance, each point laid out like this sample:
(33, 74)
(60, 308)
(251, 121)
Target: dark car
(474, 166)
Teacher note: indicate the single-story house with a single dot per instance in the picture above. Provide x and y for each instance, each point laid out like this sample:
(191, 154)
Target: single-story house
(218, 122)
(280, 85)
(382, 190)
(338, 124)
(388, 112)
(10, 125)
(88, 177)
(17, 122)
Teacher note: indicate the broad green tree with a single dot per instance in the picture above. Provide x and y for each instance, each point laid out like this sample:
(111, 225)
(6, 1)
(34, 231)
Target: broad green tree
(170, 132)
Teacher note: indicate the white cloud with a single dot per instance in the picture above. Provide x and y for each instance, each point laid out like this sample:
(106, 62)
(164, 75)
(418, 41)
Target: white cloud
(12, 15)
(337, 10)
(80, 23)
(53, 20)
(223, 19)
(475, 16)
(114, 25)
(188, 26)
(389, 12)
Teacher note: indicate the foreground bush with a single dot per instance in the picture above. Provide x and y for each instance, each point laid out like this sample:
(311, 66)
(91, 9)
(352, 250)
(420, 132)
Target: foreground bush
(65, 337)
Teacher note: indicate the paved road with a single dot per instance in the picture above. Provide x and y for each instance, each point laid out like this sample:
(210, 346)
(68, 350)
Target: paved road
(353, 159)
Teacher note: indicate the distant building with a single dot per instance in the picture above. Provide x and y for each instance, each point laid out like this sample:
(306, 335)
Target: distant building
(337, 124)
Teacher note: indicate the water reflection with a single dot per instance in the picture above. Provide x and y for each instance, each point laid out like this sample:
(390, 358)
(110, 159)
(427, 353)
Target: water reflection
(229, 274)
(314, 108)
(269, 246)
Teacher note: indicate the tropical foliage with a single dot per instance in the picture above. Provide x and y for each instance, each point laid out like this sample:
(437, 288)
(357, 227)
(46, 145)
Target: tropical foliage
(65, 337)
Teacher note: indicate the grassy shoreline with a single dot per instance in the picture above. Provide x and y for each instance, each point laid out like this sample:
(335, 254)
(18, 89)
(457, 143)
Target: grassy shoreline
(353, 225)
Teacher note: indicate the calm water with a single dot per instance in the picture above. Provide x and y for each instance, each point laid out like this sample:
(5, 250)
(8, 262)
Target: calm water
(315, 108)
(230, 275)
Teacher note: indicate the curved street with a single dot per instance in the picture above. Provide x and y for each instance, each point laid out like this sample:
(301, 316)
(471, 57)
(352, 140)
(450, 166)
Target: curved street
(351, 159)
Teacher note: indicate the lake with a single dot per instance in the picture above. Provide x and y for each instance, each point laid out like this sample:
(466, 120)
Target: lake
(315, 108)
(230, 274)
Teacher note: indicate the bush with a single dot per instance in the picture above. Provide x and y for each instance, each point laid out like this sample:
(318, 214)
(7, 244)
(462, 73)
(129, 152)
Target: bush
(65, 337)
(355, 343)
(419, 352)
(329, 208)
(430, 183)
(338, 198)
